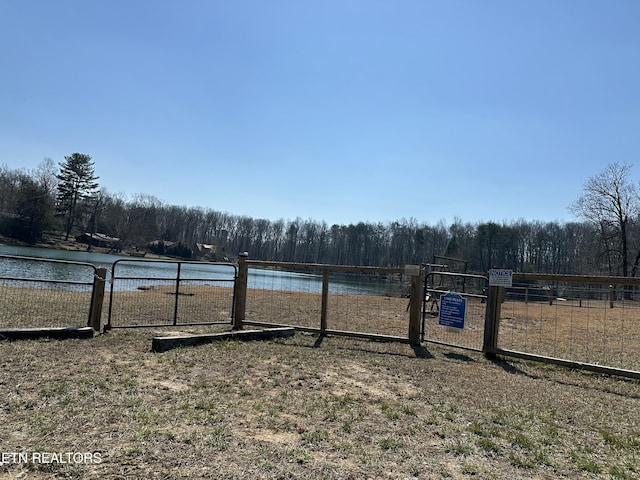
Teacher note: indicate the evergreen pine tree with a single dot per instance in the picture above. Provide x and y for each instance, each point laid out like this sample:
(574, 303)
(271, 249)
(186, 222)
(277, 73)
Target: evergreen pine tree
(77, 181)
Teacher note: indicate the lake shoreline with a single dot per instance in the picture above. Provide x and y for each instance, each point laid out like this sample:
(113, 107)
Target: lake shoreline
(57, 242)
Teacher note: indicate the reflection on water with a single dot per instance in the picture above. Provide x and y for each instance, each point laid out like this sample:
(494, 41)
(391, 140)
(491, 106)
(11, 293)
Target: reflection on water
(67, 276)
(156, 272)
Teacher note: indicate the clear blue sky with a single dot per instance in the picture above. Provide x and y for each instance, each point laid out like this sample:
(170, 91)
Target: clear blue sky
(343, 111)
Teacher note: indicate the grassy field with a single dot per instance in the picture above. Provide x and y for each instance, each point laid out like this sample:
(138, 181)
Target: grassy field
(319, 408)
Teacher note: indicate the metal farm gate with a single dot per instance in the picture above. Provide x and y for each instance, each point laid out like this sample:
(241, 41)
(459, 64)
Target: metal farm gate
(155, 293)
(473, 290)
(49, 293)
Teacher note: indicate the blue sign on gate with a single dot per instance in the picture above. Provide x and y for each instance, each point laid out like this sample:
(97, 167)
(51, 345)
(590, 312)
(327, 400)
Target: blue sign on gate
(453, 308)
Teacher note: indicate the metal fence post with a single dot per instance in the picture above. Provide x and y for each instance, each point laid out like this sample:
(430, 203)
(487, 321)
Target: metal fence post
(415, 307)
(241, 291)
(492, 321)
(97, 298)
(177, 295)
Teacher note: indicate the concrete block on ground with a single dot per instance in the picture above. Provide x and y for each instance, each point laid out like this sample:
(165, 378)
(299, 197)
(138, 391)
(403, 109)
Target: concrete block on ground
(163, 344)
(57, 333)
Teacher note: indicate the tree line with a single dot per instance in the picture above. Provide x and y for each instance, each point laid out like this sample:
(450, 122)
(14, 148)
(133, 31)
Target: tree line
(67, 199)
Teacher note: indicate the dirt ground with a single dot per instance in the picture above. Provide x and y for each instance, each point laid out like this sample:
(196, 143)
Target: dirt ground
(325, 408)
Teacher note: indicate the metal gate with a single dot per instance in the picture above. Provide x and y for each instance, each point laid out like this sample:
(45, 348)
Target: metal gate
(473, 288)
(155, 293)
(49, 293)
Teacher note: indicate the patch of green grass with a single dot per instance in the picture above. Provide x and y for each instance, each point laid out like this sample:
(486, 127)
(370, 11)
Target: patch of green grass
(458, 447)
(488, 445)
(206, 405)
(147, 415)
(346, 400)
(389, 411)
(541, 458)
(54, 390)
(588, 465)
(523, 441)
(483, 430)
(98, 383)
(266, 465)
(551, 434)
(410, 411)
(299, 456)
(315, 436)
(390, 443)
(521, 461)
(145, 432)
(620, 441)
(218, 437)
(470, 468)
(431, 419)
(341, 446)
(623, 473)
(583, 460)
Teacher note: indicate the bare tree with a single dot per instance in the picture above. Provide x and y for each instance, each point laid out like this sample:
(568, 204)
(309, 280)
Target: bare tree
(609, 200)
(46, 174)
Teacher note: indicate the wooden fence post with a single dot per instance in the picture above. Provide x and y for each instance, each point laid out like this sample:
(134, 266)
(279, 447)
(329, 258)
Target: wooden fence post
(492, 321)
(612, 296)
(241, 291)
(97, 298)
(325, 301)
(415, 307)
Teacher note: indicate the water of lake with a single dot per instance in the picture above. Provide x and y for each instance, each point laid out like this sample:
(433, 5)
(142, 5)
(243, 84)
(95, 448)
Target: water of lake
(128, 267)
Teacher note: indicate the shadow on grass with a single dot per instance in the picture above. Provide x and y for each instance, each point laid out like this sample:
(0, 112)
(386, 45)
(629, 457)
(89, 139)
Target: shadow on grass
(421, 351)
(359, 345)
(510, 368)
(318, 342)
(582, 381)
(459, 356)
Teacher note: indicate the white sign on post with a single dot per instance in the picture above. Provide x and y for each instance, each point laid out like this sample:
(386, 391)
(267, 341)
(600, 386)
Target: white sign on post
(500, 277)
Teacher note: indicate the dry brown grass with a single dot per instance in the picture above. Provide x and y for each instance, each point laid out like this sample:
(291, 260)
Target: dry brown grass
(332, 408)
(156, 305)
(42, 307)
(375, 314)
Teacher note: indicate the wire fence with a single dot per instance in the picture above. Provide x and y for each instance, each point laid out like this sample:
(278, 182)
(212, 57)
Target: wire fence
(43, 293)
(368, 301)
(587, 320)
(595, 321)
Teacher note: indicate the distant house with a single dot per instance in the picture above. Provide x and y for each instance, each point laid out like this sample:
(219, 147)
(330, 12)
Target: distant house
(171, 249)
(205, 249)
(98, 240)
(159, 246)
